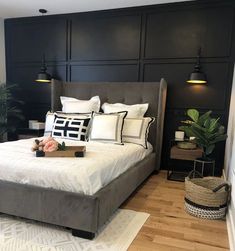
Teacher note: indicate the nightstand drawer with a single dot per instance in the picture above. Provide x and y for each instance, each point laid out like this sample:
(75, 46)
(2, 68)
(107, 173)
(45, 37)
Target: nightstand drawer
(183, 154)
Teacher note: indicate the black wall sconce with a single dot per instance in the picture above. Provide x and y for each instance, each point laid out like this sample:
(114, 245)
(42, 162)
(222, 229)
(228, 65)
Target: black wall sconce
(43, 76)
(197, 76)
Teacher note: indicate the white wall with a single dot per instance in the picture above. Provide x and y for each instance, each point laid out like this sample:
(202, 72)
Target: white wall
(230, 166)
(2, 52)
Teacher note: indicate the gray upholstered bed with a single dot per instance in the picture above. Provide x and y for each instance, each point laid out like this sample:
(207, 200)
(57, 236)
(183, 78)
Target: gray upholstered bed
(85, 214)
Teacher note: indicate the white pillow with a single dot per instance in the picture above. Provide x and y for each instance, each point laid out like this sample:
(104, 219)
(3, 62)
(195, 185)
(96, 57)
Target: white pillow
(73, 105)
(50, 118)
(136, 130)
(134, 111)
(107, 127)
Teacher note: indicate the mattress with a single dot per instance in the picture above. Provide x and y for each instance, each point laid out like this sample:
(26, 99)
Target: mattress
(101, 164)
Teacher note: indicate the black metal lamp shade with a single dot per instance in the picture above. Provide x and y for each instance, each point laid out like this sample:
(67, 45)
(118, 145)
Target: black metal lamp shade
(43, 76)
(197, 76)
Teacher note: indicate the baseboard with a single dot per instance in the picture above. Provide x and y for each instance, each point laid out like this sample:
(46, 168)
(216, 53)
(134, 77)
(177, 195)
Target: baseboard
(224, 174)
(231, 229)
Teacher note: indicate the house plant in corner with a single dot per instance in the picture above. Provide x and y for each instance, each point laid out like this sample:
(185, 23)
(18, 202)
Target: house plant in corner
(206, 130)
(9, 113)
(205, 197)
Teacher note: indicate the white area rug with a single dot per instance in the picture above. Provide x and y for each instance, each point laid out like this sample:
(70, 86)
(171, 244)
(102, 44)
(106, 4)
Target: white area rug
(24, 235)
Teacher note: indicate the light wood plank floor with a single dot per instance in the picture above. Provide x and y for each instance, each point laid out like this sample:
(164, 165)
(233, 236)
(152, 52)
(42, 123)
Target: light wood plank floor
(169, 228)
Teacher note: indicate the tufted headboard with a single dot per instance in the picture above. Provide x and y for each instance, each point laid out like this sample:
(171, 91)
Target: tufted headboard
(129, 93)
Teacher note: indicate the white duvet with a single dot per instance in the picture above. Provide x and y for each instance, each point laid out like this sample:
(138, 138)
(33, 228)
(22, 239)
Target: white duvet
(101, 164)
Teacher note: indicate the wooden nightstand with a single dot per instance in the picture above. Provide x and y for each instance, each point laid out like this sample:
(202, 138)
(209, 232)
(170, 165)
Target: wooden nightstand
(181, 154)
(26, 133)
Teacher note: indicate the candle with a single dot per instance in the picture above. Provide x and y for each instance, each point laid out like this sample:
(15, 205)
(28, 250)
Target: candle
(179, 135)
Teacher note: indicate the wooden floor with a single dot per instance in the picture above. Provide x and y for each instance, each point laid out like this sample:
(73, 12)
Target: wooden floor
(169, 228)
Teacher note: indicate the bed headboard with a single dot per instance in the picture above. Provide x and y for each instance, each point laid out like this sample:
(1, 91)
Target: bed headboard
(153, 93)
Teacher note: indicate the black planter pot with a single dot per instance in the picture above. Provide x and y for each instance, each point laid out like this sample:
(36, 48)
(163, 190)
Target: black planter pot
(206, 164)
(206, 159)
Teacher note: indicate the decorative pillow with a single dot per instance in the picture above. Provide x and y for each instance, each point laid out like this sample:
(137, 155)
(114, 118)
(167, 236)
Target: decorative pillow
(70, 128)
(50, 118)
(136, 130)
(134, 111)
(107, 127)
(73, 105)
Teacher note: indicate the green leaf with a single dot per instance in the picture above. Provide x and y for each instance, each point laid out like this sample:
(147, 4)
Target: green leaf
(193, 114)
(187, 130)
(210, 149)
(61, 147)
(219, 138)
(221, 129)
(204, 117)
(9, 113)
(206, 123)
(206, 130)
(213, 124)
(199, 127)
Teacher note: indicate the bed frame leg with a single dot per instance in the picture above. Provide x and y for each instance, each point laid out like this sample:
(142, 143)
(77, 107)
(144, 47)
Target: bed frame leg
(83, 234)
(155, 172)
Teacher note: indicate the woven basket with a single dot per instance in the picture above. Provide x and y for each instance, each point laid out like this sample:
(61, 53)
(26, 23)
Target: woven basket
(206, 197)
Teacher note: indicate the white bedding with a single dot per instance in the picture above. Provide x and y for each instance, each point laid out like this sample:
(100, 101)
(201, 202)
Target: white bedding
(102, 163)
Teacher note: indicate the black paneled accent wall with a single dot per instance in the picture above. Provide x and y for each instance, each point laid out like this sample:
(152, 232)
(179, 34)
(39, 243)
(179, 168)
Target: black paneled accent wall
(133, 44)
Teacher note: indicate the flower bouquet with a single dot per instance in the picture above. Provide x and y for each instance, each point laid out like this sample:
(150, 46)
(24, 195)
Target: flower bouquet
(48, 144)
(49, 147)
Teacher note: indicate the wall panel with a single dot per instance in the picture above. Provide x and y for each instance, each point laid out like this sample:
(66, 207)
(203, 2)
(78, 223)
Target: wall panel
(105, 38)
(109, 72)
(179, 34)
(174, 34)
(30, 39)
(182, 94)
(134, 44)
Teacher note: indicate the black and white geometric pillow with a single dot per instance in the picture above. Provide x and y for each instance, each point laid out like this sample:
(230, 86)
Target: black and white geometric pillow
(70, 128)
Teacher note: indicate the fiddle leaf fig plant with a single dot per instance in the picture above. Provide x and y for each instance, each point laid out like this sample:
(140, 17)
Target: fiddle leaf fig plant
(206, 130)
(9, 113)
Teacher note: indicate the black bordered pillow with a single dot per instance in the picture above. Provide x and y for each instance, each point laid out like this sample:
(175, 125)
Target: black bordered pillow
(71, 127)
(107, 127)
(136, 130)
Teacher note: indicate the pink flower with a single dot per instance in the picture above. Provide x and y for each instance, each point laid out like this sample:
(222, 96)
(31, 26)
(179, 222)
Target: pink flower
(51, 146)
(45, 140)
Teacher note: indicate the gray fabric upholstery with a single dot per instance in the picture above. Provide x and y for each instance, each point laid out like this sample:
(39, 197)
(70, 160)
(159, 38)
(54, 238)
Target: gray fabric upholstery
(47, 205)
(153, 93)
(113, 195)
(72, 210)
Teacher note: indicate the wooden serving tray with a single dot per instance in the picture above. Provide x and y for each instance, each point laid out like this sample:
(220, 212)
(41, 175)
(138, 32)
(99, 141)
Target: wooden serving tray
(70, 151)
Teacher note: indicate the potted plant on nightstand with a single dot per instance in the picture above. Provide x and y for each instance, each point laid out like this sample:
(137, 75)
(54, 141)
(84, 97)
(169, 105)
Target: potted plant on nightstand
(8, 110)
(206, 130)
